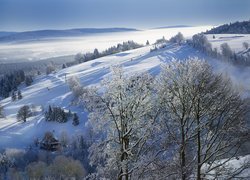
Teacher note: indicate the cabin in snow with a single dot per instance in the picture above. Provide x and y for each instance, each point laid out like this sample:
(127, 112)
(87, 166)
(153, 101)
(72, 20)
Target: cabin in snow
(50, 143)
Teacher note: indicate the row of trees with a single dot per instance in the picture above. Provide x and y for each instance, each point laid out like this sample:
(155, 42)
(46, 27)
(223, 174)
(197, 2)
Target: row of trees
(200, 41)
(80, 57)
(59, 115)
(10, 82)
(232, 28)
(178, 125)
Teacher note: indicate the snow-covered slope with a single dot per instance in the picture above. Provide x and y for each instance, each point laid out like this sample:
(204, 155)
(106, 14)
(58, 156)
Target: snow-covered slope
(234, 40)
(53, 90)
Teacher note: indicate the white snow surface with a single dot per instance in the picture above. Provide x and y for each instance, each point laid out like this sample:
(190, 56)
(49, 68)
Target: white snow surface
(52, 90)
(233, 40)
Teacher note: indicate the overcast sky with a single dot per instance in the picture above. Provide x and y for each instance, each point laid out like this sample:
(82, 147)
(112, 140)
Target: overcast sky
(20, 15)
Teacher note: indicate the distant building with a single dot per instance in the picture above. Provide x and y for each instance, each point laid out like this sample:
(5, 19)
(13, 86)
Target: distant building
(50, 143)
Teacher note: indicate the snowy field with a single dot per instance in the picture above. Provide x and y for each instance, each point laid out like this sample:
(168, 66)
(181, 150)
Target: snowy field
(52, 89)
(233, 40)
(47, 48)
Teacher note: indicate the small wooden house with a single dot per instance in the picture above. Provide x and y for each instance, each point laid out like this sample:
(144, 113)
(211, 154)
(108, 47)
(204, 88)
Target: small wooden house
(50, 143)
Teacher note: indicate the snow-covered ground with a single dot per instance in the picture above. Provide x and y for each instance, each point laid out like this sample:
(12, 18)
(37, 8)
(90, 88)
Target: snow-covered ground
(53, 90)
(234, 40)
(54, 47)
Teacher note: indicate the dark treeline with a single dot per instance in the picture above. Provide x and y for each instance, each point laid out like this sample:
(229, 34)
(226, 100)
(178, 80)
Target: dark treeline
(10, 82)
(232, 28)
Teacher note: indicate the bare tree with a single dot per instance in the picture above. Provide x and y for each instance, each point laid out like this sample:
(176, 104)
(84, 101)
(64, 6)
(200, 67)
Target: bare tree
(205, 117)
(23, 113)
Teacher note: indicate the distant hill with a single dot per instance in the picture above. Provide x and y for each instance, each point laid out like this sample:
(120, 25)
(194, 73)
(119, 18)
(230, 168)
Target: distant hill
(4, 33)
(176, 26)
(232, 28)
(40, 34)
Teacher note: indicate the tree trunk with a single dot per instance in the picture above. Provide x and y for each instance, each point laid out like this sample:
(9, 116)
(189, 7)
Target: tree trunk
(198, 175)
(183, 155)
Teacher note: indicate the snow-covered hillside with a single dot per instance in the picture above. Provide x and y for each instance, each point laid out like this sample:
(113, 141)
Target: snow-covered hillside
(53, 90)
(233, 40)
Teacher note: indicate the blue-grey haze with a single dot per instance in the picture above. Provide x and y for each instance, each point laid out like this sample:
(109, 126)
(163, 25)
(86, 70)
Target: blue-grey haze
(20, 15)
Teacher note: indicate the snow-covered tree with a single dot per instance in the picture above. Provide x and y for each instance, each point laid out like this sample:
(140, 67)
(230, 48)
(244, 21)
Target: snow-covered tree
(178, 38)
(23, 113)
(226, 50)
(50, 68)
(122, 115)
(76, 88)
(204, 116)
(201, 42)
(245, 45)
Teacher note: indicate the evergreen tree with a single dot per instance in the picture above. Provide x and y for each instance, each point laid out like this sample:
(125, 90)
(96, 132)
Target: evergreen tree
(63, 66)
(19, 94)
(48, 114)
(75, 119)
(13, 96)
(147, 43)
(1, 111)
(28, 80)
